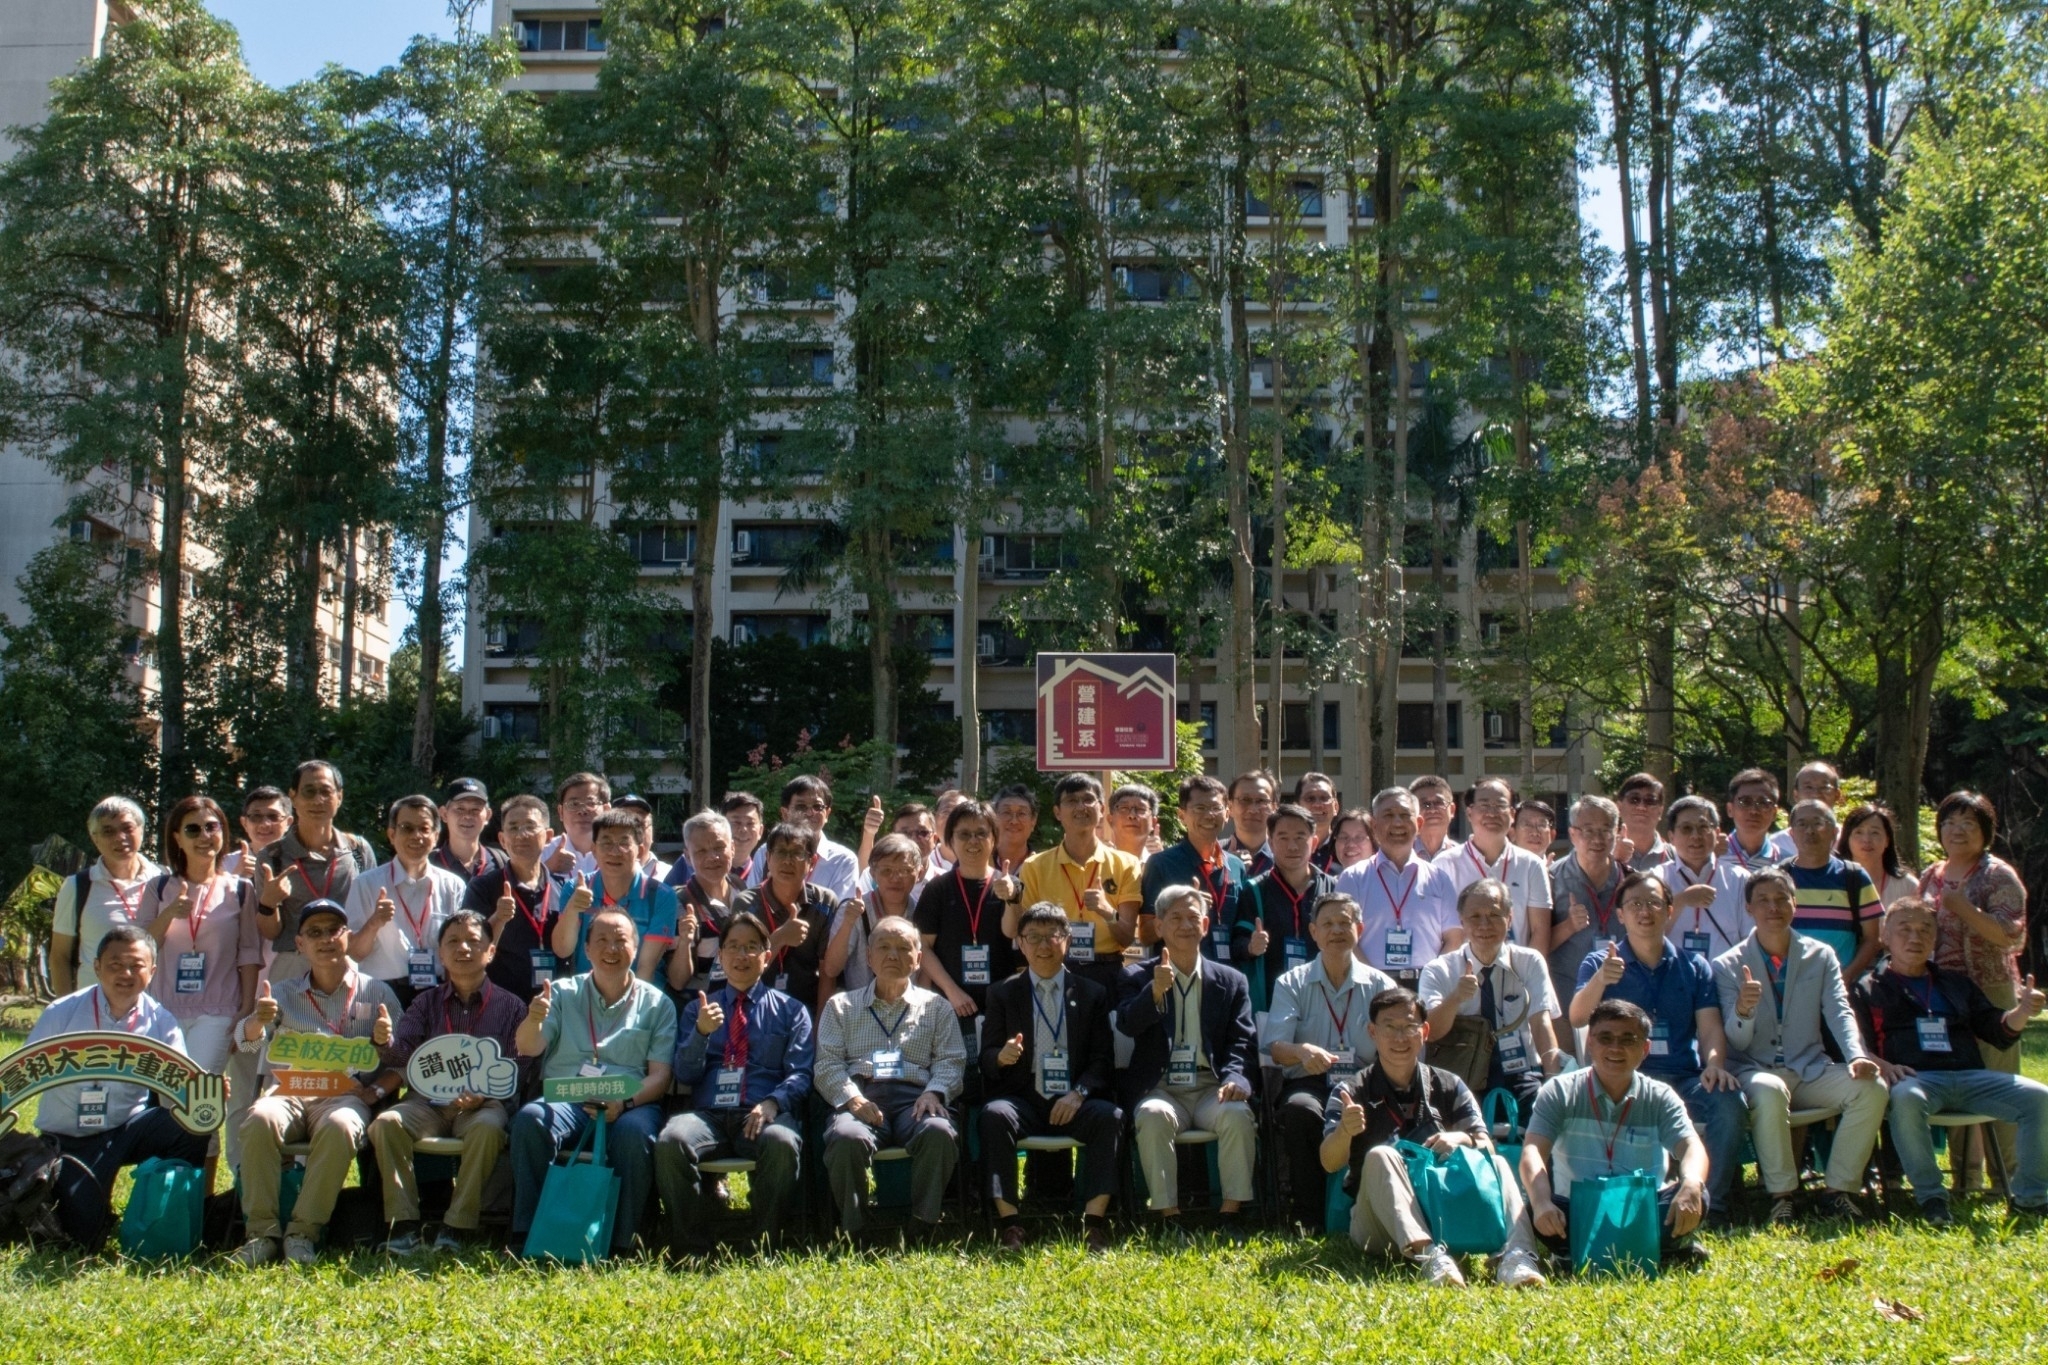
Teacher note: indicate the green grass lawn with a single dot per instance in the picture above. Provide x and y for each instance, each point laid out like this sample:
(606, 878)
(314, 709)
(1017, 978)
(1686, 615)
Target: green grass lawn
(1980, 1292)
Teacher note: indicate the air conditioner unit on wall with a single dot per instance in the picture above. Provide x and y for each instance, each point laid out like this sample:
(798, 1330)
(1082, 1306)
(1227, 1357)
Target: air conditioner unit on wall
(742, 546)
(985, 647)
(742, 633)
(1496, 725)
(491, 727)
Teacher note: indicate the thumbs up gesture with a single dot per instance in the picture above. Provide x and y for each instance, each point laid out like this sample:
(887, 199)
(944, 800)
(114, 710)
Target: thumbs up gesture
(382, 914)
(792, 932)
(1351, 1118)
(266, 1006)
(1005, 886)
(580, 898)
(1162, 978)
(502, 916)
(1624, 849)
(1468, 984)
(2031, 1000)
(542, 1002)
(1260, 938)
(381, 1033)
(1579, 918)
(1613, 969)
(709, 1015)
(1012, 1053)
(1092, 897)
(871, 818)
(1751, 991)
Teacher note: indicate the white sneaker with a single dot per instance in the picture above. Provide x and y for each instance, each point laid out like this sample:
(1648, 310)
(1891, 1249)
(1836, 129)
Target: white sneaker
(1518, 1270)
(258, 1251)
(1438, 1266)
(301, 1250)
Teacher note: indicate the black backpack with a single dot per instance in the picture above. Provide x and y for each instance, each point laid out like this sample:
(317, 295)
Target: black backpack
(29, 1165)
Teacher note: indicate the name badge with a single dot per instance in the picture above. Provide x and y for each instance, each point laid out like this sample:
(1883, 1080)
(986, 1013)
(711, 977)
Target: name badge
(543, 965)
(1514, 1057)
(1696, 941)
(728, 1087)
(1081, 943)
(1400, 944)
(1219, 943)
(887, 1063)
(420, 969)
(191, 973)
(974, 964)
(1660, 1039)
(92, 1107)
(1180, 1065)
(1294, 952)
(782, 982)
(1344, 1059)
(1778, 1057)
(1934, 1034)
(708, 957)
(1052, 1075)
(591, 1069)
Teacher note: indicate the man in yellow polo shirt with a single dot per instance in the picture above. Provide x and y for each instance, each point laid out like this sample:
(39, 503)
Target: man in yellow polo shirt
(1097, 884)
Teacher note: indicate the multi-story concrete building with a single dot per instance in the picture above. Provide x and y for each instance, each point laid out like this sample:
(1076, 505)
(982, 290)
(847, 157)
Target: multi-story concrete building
(562, 44)
(41, 40)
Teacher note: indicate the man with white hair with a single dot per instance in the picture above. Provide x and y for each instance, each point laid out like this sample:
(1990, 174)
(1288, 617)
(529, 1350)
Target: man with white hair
(1584, 889)
(1816, 781)
(890, 1063)
(1408, 913)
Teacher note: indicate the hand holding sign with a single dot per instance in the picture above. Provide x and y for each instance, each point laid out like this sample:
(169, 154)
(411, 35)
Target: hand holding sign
(453, 1065)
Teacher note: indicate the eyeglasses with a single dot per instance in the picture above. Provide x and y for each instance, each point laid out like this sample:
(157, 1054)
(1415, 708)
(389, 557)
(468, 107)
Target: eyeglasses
(1040, 940)
(808, 808)
(976, 835)
(1598, 834)
(1399, 1030)
(1642, 799)
(1435, 803)
(322, 935)
(203, 827)
(583, 807)
(1497, 807)
(1616, 1039)
(1755, 802)
(265, 817)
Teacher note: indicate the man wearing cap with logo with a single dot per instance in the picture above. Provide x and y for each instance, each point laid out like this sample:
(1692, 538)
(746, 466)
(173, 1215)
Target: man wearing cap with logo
(465, 810)
(332, 998)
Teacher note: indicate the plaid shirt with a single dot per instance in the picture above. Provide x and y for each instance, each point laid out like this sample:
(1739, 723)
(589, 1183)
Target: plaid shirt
(851, 1030)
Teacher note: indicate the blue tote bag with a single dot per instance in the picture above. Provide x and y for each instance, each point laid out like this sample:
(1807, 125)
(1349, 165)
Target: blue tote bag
(578, 1204)
(1614, 1224)
(166, 1213)
(1461, 1196)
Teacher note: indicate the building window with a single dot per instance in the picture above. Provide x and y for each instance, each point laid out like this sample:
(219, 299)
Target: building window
(1332, 736)
(806, 628)
(1294, 725)
(997, 646)
(1307, 196)
(663, 543)
(933, 630)
(561, 35)
(1503, 728)
(1012, 726)
(1417, 727)
(518, 722)
(1206, 718)
(771, 545)
(512, 637)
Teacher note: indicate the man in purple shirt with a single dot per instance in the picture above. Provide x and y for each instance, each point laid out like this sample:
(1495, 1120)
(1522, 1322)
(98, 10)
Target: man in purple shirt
(465, 1002)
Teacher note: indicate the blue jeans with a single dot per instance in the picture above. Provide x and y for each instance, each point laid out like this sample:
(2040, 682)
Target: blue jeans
(542, 1131)
(1995, 1094)
(1722, 1117)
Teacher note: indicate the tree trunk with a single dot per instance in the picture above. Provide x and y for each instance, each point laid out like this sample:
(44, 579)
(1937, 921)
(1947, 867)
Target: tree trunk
(1905, 701)
(174, 776)
(348, 616)
(1397, 529)
(1358, 763)
(430, 626)
(966, 648)
(881, 652)
(1242, 642)
(1439, 658)
(710, 511)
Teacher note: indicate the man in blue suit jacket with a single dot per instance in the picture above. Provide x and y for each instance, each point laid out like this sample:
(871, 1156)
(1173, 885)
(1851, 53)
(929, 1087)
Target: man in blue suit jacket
(1190, 1022)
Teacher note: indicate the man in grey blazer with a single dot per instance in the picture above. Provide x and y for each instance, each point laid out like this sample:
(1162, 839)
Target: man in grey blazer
(1778, 990)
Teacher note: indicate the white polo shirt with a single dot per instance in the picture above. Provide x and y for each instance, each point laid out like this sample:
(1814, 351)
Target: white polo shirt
(1417, 900)
(1725, 923)
(1526, 875)
(419, 906)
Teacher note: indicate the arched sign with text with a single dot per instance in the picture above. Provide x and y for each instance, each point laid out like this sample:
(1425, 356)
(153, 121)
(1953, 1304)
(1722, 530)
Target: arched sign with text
(455, 1064)
(197, 1099)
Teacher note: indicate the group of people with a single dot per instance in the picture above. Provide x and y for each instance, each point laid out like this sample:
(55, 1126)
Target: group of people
(1329, 981)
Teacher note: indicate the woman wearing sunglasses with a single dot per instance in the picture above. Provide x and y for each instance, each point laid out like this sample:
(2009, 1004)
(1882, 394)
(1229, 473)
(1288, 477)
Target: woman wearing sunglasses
(208, 950)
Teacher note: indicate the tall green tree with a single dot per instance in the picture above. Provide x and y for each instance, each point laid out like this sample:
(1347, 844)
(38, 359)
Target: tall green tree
(121, 219)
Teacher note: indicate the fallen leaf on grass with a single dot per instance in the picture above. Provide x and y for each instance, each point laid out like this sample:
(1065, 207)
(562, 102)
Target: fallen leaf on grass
(1891, 1310)
(1838, 1271)
(1962, 1360)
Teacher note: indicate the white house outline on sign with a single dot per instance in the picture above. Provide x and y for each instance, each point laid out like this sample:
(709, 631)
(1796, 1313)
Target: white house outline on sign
(1144, 680)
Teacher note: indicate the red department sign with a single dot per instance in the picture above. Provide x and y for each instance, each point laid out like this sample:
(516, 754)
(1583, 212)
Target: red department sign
(1105, 711)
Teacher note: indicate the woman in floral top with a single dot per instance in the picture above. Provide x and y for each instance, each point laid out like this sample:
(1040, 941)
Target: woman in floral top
(1980, 923)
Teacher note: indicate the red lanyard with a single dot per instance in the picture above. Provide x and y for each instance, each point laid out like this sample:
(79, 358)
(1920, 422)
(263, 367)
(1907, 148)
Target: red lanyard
(1293, 901)
(768, 912)
(538, 921)
(347, 1008)
(126, 1025)
(1606, 911)
(632, 892)
(201, 911)
(1340, 1020)
(1414, 876)
(326, 882)
(127, 901)
(416, 923)
(1217, 874)
(483, 1003)
(1620, 1119)
(1480, 863)
(973, 913)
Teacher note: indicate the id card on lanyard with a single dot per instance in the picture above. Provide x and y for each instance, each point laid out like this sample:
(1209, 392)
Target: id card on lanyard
(191, 966)
(1399, 943)
(974, 955)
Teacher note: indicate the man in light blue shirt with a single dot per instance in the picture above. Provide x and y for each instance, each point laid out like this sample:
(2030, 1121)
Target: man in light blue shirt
(102, 1126)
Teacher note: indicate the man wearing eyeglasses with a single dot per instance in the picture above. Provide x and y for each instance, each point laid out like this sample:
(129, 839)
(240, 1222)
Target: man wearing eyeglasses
(890, 1063)
(1434, 805)
(1047, 1061)
(1816, 781)
(580, 799)
(747, 1054)
(1490, 855)
(1251, 799)
(1753, 807)
(1610, 1119)
(807, 801)
(1583, 892)
(1641, 800)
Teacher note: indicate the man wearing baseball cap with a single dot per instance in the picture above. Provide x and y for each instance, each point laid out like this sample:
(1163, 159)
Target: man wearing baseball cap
(331, 998)
(465, 811)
